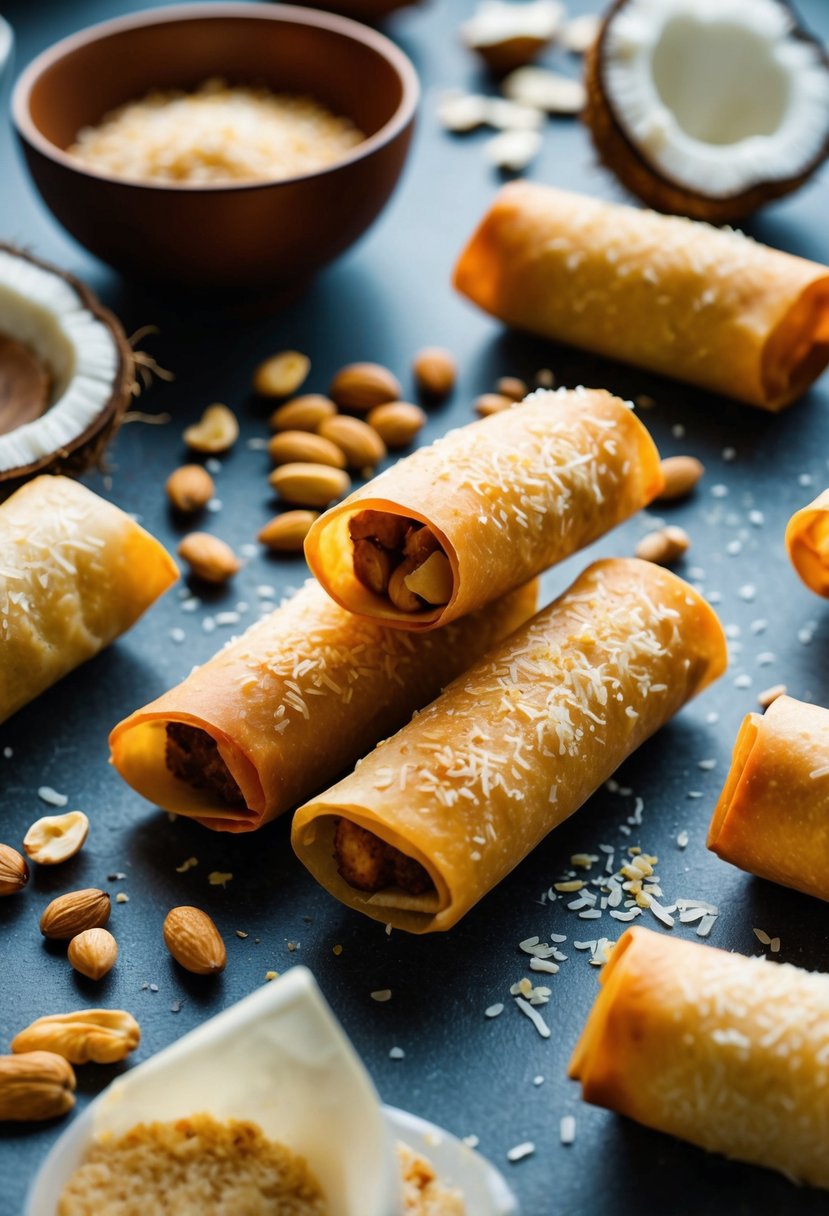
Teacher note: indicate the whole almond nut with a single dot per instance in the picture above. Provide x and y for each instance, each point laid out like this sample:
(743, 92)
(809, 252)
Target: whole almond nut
(34, 1086)
(56, 838)
(209, 558)
(512, 387)
(302, 414)
(663, 546)
(216, 431)
(361, 386)
(681, 474)
(492, 403)
(290, 447)
(14, 873)
(194, 941)
(360, 443)
(93, 953)
(190, 488)
(98, 1036)
(309, 485)
(282, 374)
(286, 533)
(68, 915)
(397, 423)
(435, 371)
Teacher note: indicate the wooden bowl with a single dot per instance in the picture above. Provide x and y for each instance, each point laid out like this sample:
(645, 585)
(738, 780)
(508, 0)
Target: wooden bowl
(263, 234)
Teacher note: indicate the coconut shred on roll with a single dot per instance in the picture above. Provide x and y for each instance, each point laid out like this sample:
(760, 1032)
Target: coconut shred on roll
(487, 507)
(514, 746)
(727, 1052)
(292, 703)
(75, 573)
(673, 296)
(807, 540)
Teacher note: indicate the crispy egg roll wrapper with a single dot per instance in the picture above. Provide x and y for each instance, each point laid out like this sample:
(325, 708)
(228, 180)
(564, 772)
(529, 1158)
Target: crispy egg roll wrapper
(728, 1052)
(298, 698)
(75, 572)
(507, 497)
(672, 295)
(807, 540)
(521, 740)
(772, 818)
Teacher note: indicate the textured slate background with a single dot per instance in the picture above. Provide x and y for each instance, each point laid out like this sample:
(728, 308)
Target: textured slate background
(382, 301)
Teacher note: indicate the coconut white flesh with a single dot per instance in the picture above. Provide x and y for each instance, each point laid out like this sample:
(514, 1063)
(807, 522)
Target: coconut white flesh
(42, 311)
(496, 21)
(719, 94)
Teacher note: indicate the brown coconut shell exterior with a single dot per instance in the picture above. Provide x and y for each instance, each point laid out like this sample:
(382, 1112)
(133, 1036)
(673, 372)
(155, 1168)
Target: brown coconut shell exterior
(87, 449)
(631, 165)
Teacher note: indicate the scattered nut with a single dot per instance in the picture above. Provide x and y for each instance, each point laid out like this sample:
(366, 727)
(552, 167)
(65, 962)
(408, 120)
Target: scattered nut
(286, 533)
(190, 488)
(217, 431)
(70, 914)
(282, 374)
(14, 873)
(681, 474)
(435, 372)
(397, 423)
(663, 546)
(209, 558)
(290, 447)
(512, 387)
(508, 35)
(461, 112)
(56, 838)
(93, 953)
(100, 1036)
(309, 485)
(35, 1085)
(360, 443)
(546, 90)
(492, 403)
(361, 386)
(302, 414)
(769, 695)
(513, 151)
(194, 941)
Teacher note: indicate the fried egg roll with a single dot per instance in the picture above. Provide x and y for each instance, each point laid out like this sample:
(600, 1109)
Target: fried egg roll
(807, 540)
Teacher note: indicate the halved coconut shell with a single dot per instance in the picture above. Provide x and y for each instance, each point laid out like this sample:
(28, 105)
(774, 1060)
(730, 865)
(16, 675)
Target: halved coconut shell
(629, 144)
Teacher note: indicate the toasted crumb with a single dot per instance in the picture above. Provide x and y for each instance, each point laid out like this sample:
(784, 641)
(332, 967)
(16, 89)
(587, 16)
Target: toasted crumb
(423, 1194)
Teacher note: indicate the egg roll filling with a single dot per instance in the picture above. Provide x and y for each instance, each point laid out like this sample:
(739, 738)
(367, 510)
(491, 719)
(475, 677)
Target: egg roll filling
(400, 558)
(193, 756)
(370, 864)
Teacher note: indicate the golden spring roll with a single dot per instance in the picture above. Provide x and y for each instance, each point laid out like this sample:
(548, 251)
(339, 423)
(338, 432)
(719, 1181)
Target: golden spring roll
(289, 705)
(730, 1053)
(772, 818)
(674, 296)
(75, 572)
(807, 540)
(498, 501)
(516, 744)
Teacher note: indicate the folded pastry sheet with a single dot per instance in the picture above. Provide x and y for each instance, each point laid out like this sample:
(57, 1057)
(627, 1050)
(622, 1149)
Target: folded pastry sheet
(772, 818)
(289, 705)
(807, 539)
(75, 572)
(515, 745)
(707, 305)
(500, 500)
(730, 1053)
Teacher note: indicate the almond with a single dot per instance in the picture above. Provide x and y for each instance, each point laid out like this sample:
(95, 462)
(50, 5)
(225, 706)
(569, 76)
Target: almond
(217, 431)
(302, 414)
(286, 533)
(663, 546)
(14, 873)
(361, 386)
(282, 374)
(360, 443)
(681, 474)
(93, 953)
(492, 403)
(190, 488)
(56, 838)
(435, 371)
(512, 387)
(209, 558)
(194, 941)
(35, 1085)
(309, 485)
(99, 1036)
(70, 914)
(397, 423)
(290, 447)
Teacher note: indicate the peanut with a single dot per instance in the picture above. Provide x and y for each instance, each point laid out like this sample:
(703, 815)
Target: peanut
(56, 838)
(681, 474)
(102, 1036)
(286, 533)
(302, 414)
(282, 374)
(216, 431)
(492, 403)
(361, 386)
(435, 371)
(397, 422)
(663, 546)
(209, 558)
(309, 485)
(360, 443)
(190, 488)
(291, 447)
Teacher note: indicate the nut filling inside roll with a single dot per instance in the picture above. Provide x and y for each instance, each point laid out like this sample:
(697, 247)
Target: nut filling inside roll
(193, 756)
(370, 864)
(400, 558)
